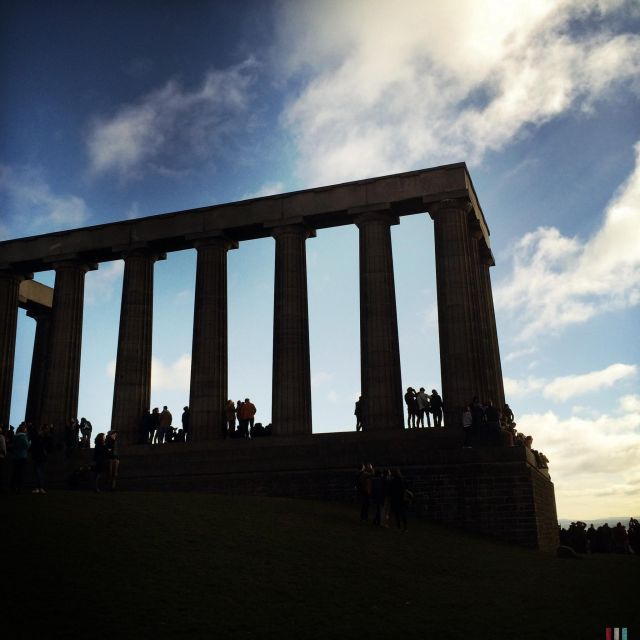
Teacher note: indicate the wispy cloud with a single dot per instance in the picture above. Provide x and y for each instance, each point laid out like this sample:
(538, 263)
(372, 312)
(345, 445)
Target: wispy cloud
(101, 284)
(267, 189)
(390, 92)
(172, 376)
(558, 281)
(562, 388)
(565, 387)
(31, 206)
(172, 122)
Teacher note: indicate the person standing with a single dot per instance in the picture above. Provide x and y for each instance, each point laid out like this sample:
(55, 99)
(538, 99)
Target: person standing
(99, 460)
(358, 414)
(113, 459)
(412, 407)
(246, 415)
(364, 490)
(437, 406)
(423, 407)
(19, 449)
(230, 419)
(165, 423)
(185, 424)
(467, 425)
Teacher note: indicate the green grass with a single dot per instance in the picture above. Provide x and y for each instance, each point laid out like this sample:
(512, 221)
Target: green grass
(189, 565)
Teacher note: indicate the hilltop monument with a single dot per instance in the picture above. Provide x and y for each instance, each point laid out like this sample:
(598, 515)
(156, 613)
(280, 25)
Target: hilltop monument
(497, 490)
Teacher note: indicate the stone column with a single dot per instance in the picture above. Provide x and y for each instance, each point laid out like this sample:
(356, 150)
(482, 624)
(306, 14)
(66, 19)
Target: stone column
(484, 375)
(42, 316)
(291, 384)
(9, 288)
(496, 381)
(458, 313)
(381, 384)
(132, 385)
(62, 377)
(209, 353)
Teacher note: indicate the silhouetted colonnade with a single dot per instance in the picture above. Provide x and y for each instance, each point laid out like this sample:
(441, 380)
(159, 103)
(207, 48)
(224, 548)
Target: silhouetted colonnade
(469, 354)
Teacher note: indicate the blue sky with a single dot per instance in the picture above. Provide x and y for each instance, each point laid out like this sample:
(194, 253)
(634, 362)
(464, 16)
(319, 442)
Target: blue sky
(118, 110)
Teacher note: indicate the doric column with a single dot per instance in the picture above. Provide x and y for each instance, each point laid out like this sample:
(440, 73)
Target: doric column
(291, 384)
(484, 375)
(458, 312)
(9, 288)
(42, 316)
(381, 384)
(62, 377)
(209, 353)
(496, 382)
(132, 385)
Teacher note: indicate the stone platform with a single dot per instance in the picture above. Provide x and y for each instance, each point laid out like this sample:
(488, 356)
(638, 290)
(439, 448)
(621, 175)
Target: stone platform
(497, 491)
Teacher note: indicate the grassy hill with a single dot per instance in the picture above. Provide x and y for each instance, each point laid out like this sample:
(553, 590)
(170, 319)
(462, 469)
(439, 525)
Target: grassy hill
(187, 565)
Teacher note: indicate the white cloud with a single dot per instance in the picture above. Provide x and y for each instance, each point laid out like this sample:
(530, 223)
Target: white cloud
(101, 284)
(267, 189)
(593, 461)
(519, 353)
(321, 377)
(630, 403)
(33, 207)
(559, 281)
(172, 376)
(518, 388)
(385, 89)
(562, 388)
(565, 387)
(158, 130)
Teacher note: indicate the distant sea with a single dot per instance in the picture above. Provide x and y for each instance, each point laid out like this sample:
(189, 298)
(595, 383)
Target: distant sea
(612, 521)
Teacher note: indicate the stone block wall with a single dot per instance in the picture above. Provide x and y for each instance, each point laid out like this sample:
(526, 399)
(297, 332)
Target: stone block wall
(495, 491)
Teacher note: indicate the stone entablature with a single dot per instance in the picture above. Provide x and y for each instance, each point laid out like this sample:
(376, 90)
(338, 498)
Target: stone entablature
(401, 194)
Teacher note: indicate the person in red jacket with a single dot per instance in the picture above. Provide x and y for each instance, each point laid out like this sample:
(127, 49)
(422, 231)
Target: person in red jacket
(246, 415)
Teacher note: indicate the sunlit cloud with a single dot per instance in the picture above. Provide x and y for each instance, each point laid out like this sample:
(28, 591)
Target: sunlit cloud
(565, 387)
(593, 461)
(557, 281)
(148, 133)
(384, 89)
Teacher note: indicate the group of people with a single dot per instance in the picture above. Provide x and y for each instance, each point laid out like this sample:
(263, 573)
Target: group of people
(604, 539)
(17, 446)
(487, 424)
(242, 412)
(386, 491)
(421, 404)
(156, 427)
(106, 460)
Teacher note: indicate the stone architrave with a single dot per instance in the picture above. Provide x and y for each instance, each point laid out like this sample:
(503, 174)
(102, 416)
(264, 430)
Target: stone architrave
(42, 316)
(62, 377)
(9, 289)
(381, 384)
(458, 311)
(132, 384)
(291, 383)
(209, 353)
